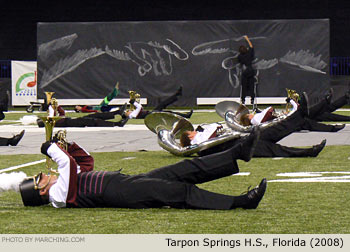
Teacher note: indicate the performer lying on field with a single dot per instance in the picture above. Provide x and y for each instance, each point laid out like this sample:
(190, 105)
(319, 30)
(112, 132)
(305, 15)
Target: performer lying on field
(310, 121)
(267, 144)
(140, 113)
(173, 185)
(92, 120)
(103, 106)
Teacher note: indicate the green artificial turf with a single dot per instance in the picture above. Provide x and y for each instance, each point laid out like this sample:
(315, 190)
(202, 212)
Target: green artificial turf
(287, 208)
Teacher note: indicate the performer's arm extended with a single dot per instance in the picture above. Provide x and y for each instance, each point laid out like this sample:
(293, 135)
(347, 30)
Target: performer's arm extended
(248, 41)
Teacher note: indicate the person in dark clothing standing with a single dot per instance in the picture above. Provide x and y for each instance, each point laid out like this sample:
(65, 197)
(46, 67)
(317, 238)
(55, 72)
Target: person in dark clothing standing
(245, 58)
(173, 185)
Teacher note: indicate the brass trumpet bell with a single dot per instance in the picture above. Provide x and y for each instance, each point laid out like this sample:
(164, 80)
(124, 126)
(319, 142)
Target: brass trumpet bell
(49, 123)
(292, 94)
(136, 96)
(49, 97)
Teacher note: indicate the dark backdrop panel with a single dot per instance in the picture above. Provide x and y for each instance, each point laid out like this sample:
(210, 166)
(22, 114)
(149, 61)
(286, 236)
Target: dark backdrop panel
(84, 60)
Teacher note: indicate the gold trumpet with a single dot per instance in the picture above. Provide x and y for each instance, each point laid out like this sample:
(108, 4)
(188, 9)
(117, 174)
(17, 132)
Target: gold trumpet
(292, 94)
(136, 96)
(49, 123)
(49, 97)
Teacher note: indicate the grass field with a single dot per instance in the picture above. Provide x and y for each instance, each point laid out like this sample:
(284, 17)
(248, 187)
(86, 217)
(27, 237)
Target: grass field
(287, 208)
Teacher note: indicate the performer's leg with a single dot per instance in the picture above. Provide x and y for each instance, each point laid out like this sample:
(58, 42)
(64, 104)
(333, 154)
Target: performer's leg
(251, 89)
(322, 106)
(313, 125)
(103, 116)
(143, 192)
(211, 167)
(162, 105)
(270, 149)
(244, 84)
(340, 102)
(110, 96)
(185, 115)
(285, 127)
(4, 141)
(332, 117)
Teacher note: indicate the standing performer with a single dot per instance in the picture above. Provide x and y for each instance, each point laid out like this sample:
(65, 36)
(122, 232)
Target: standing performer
(173, 185)
(246, 57)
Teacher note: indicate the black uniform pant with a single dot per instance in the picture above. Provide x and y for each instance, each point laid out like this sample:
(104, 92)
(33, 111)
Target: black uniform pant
(332, 117)
(248, 82)
(84, 122)
(327, 115)
(161, 106)
(4, 141)
(175, 185)
(313, 125)
(267, 144)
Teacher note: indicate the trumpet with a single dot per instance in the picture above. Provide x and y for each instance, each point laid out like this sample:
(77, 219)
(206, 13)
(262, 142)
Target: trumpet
(136, 96)
(49, 123)
(49, 97)
(292, 94)
(61, 137)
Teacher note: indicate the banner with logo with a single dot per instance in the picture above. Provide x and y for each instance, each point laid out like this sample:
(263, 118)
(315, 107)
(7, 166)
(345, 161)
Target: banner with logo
(24, 82)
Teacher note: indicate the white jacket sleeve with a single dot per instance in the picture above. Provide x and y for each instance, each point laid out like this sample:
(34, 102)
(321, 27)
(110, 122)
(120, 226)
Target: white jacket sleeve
(294, 104)
(136, 112)
(209, 129)
(59, 191)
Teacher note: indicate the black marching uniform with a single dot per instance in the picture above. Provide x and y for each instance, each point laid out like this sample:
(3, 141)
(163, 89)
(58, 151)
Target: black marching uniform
(267, 144)
(248, 73)
(172, 185)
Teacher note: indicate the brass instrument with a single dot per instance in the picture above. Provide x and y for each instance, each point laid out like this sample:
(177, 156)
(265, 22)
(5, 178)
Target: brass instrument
(48, 97)
(49, 122)
(292, 94)
(136, 96)
(169, 128)
(61, 137)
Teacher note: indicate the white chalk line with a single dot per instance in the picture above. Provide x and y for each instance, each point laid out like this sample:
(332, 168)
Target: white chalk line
(22, 165)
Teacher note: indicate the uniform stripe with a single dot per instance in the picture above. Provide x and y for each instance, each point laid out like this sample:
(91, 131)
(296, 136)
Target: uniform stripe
(92, 178)
(96, 182)
(87, 176)
(102, 181)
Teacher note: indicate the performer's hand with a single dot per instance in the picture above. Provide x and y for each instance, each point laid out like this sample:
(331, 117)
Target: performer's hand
(44, 148)
(132, 101)
(54, 139)
(117, 85)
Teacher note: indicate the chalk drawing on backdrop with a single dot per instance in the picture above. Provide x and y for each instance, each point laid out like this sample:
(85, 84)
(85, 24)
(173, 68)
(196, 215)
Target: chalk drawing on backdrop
(305, 60)
(302, 60)
(147, 56)
(45, 50)
(68, 64)
(157, 57)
